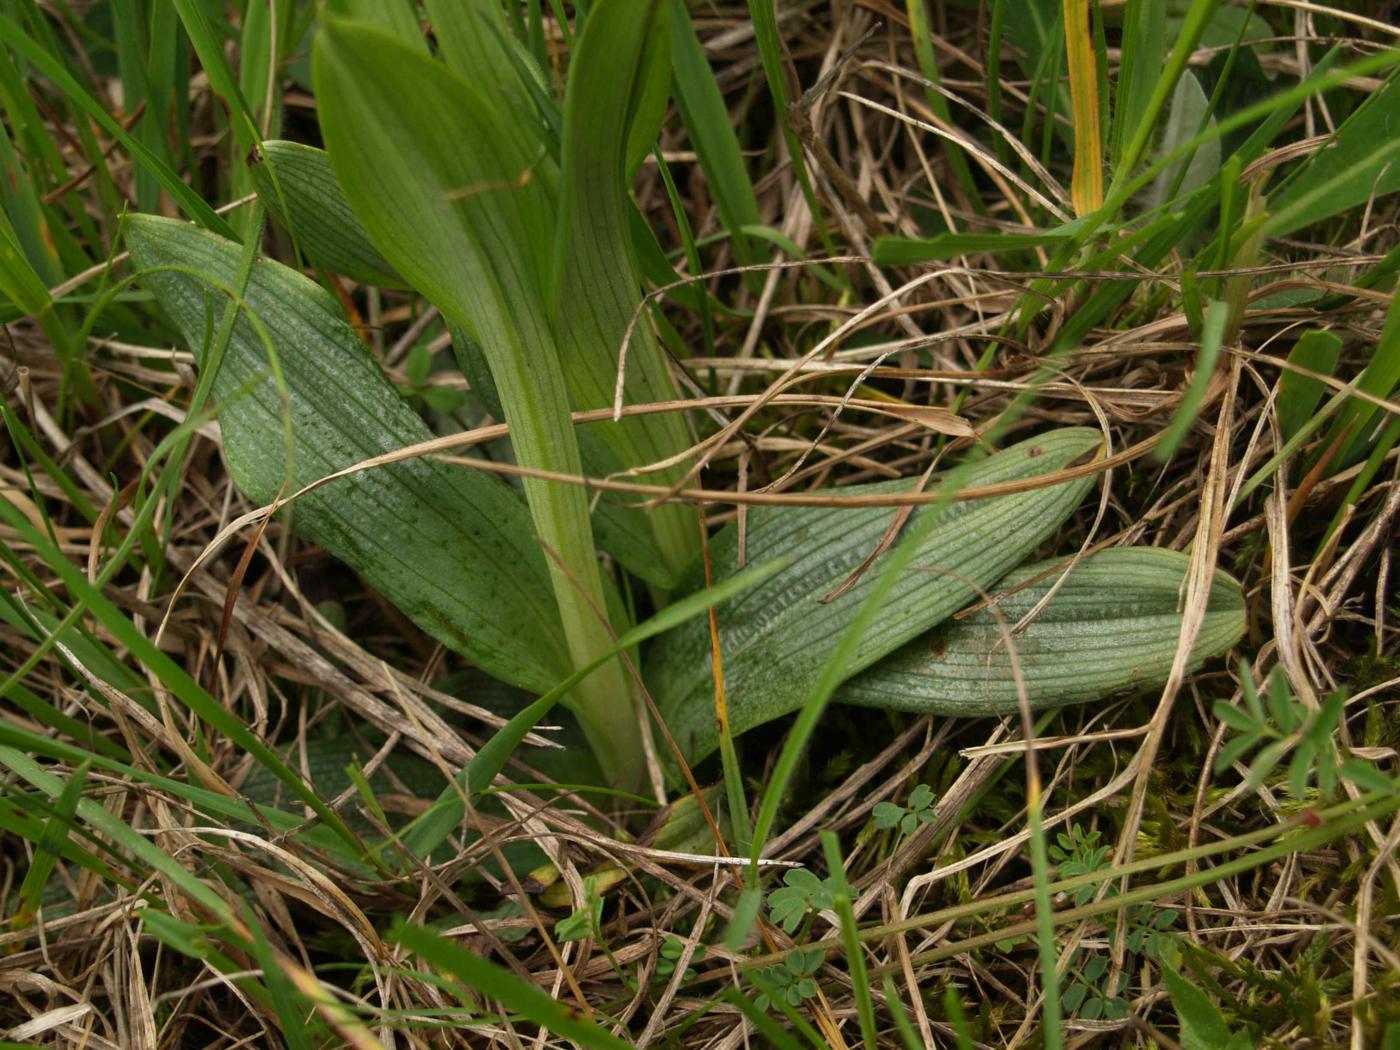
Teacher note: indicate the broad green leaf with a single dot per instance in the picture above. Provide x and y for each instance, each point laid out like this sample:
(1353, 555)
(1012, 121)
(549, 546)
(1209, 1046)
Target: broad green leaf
(397, 17)
(1203, 1026)
(776, 637)
(1112, 625)
(451, 548)
(478, 47)
(299, 187)
(1317, 351)
(1361, 161)
(443, 177)
(598, 289)
(1185, 119)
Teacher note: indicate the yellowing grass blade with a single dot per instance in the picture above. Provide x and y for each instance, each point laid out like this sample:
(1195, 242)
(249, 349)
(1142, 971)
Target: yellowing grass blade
(1086, 185)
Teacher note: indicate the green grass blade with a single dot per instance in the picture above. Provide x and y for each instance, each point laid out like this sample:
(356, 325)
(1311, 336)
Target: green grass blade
(770, 49)
(190, 202)
(140, 848)
(707, 122)
(47, 850)
(1317, 350)
(499, 984)
(850, 938)
(911, 251)
(1380, 376)
(1193, 25)
(1217, 316)
(1360, 161)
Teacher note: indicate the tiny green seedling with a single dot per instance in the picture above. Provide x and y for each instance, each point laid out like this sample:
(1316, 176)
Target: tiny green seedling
(586, 921)
(794, 979)
(672, 948)
(918, 810)
(1279, 724)
(801, 893)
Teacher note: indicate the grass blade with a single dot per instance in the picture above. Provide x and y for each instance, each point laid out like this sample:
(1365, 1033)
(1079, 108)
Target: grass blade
(497, 983)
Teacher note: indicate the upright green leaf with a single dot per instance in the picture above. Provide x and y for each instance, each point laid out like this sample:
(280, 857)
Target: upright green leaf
(451, 548)
(478, 46)
(1357, 426)
(598, 288)
(1186, 117)
(706, 120)
(1317, 351)
(776, 637)
(443, 179)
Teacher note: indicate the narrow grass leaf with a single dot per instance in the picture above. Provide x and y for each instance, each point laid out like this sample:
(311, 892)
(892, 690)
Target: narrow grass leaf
(763, 1024)
(137, 846)
(1360, 162)
(910, 251)
(707, 122)
(1212, 332)
(1355, 427)
(499, 984)
(850, 937)
(49, 848)
(190, 202)
(907, 1035)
